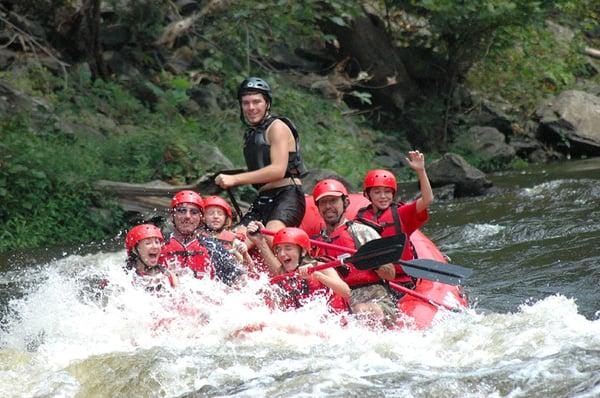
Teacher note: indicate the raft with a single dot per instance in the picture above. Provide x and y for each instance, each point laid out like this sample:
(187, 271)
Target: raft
(414, 312)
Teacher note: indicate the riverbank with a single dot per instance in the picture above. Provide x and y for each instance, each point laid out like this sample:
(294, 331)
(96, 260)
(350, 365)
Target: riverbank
(135, 108)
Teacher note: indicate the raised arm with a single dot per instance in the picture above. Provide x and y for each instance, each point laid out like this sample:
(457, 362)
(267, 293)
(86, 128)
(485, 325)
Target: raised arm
(275, 267)
(416, 161)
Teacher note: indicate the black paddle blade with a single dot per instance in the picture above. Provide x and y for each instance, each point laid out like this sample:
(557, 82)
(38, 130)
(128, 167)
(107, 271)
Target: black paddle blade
(377, 252)
(435, 270)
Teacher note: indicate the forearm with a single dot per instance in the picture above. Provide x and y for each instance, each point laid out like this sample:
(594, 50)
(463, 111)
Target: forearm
(272, 262)
(426, 192)
(334, 283)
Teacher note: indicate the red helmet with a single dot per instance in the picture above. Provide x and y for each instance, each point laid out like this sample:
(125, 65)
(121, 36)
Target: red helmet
(292, 235)
(219, 202)
(140, 232)
(186, 197)
(380, 178)
(329, 187)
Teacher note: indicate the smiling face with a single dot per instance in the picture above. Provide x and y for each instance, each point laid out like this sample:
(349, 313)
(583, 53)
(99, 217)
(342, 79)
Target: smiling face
(148, 250)
(289, 255)
(254, 107)
(381, 197)
(331, 209)
(187, 217)
(215, 218)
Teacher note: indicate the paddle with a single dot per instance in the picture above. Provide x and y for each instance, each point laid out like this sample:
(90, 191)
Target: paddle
(234, 202)
(326, 245)
(419, 268)
(372, 254)
(421, 296)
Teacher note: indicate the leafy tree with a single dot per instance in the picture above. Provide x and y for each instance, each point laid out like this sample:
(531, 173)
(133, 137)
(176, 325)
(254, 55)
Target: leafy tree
(459, 33)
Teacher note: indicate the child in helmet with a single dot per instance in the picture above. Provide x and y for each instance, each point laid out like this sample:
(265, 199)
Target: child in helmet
(143, 244)
(218, 219)
(290, 248)
(393, 218)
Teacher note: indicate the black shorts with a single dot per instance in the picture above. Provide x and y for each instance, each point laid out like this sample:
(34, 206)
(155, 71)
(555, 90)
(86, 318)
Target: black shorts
(286, 204)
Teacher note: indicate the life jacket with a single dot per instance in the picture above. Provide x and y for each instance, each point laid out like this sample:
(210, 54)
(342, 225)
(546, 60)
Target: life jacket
(389, 224)
(257, 151)
(193, 255)
(297, 291)
(349, 274)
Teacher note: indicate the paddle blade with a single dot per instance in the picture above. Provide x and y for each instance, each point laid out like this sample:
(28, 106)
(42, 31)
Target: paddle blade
(377, 252)
(436, 271)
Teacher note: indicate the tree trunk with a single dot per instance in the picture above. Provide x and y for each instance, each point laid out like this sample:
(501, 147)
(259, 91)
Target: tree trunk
(91, 37)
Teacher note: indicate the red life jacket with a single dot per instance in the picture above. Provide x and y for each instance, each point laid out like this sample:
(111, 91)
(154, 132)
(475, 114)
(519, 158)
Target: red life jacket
(342, 237)
(389, 223)
(193, 255)
(297, 291)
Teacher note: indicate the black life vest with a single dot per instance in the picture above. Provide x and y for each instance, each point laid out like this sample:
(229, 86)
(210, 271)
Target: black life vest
(258, 153)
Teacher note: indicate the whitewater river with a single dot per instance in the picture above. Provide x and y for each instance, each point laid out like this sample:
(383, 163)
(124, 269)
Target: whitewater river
(533, 329)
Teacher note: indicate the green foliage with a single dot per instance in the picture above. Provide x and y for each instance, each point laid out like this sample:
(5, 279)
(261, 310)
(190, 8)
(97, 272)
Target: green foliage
(43, 200)
(537, 64)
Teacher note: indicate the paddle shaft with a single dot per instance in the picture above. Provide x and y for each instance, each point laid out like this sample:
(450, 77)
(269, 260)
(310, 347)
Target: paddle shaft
(324, 245)
(410, 292)
(234, 202)
(311, 269)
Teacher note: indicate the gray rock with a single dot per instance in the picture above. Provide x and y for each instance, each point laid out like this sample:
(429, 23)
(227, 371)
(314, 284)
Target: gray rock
(571, 123)
(212, 157)
(453, 169)
(490, 145)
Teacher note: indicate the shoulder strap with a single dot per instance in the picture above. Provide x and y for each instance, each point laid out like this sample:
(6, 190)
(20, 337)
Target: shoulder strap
(361, 219)
(397, 225)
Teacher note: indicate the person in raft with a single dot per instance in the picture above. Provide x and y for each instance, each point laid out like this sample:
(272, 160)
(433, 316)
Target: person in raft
(369, 297)
(218, 220)
(203, 255)
(389, 217)
(272, 154)
(143, 244)
(290, 250)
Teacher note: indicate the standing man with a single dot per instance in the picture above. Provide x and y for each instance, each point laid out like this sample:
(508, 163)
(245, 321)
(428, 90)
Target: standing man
(272, 153)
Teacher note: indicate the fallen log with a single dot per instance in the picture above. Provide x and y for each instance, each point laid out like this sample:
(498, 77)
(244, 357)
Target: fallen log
(592, 52)
(154, 197)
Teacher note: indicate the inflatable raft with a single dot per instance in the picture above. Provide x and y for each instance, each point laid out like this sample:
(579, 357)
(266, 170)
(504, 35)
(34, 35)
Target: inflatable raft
(419, 308)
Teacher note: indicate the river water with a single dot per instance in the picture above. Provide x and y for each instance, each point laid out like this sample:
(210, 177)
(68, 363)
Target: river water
(533, 329)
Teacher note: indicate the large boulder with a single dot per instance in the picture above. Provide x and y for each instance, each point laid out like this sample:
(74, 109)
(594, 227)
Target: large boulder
(490, 145)
(452, 169)
(571, 123)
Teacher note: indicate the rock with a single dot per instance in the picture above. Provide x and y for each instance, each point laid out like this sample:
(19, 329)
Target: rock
(570, 122)
(7, 58)
(491, 113)
(284, 58)
(26, 25)
(207, 96)
(445, 192)
(114, 36)
(212, 157)
(15, 102)
(453, 169)
(490, 145)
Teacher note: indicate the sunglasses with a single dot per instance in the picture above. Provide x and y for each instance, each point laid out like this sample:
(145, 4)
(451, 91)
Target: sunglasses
(184, 210)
